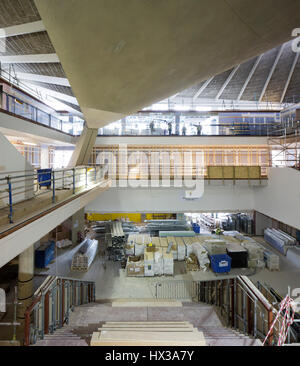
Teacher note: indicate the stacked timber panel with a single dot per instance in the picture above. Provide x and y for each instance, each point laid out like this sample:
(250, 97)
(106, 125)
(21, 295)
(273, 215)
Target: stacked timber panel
(148, 334)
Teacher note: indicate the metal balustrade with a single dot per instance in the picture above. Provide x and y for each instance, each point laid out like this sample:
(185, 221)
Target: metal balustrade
(18, 186)
(52, 304)
(242, 306)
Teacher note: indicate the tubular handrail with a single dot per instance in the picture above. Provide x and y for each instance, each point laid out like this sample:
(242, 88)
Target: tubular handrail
(239, 300)
(52, 303)
(19, 187)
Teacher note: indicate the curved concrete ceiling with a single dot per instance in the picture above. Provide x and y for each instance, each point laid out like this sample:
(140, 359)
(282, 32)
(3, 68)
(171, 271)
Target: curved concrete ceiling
(121, 56)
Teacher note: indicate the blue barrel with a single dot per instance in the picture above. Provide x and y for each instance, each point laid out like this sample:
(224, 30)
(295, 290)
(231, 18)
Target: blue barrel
(44, 177)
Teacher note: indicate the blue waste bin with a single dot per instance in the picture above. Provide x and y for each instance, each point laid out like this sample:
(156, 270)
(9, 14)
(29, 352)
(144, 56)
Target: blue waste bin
(220, 263)
(44, 177)
(196, 228)
(44, 254)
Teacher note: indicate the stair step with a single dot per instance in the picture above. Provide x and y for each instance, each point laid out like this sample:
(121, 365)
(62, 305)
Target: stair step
(61, 342)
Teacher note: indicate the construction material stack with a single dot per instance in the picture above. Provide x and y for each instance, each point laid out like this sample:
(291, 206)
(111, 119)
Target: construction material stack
(181, 249)
(168, 262)
(201, 253)
(173, 246)
(154, 226)
(117, 246)
(85, 255)
(279, 240)
(135, 266)
(238, 255)
(215, 246)
(271, 260)
(255, 253)
(148, 334)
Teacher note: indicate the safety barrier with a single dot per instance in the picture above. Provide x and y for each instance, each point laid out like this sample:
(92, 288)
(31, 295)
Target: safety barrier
(18, 186)
(242, 306)
(52, 304)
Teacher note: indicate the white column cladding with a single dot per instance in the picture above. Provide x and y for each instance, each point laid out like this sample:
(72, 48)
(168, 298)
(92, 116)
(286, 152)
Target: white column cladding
(25, 281)
(44, 157)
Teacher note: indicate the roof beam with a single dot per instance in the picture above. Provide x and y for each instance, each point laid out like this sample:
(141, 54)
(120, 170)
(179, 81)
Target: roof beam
(29, 59)
(227, 82)
(249, 76)
(271, 73)
(43, 78)
(20, 29)
(53, 93)
(200, 90)
(289, 77)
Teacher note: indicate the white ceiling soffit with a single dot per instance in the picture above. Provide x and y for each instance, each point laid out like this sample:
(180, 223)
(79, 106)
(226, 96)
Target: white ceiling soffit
(121, 56)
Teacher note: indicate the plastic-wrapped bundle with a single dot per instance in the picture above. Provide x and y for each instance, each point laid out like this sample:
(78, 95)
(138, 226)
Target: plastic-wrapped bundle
(168, 262)
(149, 263)
(158, 261)
(188, 245)
(277, 240)
(201, 255)
(215, 246)
(140, 242)
(129, 247)
(271, 260)
(181, 249)
(85, 255)
(177, 233)
(172, 240)
(255, 252)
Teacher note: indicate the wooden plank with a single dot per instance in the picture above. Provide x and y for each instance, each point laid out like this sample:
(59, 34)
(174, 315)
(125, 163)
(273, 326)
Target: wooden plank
(150, 329)
(147, 339)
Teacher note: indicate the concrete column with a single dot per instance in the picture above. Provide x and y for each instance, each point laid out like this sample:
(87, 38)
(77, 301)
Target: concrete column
(77, 224)
(44, 157)
(84, 147)
(177, 124)
(123, 124)
(25, 282)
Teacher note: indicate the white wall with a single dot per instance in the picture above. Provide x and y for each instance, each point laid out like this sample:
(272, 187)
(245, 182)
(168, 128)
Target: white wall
(215, 198)
(12, 161)
(280, 199)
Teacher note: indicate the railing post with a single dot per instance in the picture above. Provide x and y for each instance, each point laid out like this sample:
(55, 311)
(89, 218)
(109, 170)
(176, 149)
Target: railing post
(95, 174)
(10, 215)
(86, 177)
(73, 180)
(228, 301)
(53, 186)
(255, 319)
(244, 311)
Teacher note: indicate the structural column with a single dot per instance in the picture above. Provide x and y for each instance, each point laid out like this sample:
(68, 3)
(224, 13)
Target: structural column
(25, 282)
(77, 224)
(84, 147)
(177, 123)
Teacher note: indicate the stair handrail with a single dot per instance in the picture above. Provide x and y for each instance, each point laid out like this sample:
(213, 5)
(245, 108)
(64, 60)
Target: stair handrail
(52, 303)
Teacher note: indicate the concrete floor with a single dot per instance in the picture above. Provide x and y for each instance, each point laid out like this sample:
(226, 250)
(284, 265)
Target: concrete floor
(112, 282)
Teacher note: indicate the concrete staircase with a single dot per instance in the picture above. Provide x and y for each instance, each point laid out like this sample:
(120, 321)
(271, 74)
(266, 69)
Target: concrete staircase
(86, 319)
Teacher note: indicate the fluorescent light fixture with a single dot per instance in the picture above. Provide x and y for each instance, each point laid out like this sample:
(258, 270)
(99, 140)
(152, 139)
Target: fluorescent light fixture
(160, 107)
(29, 143)
(203, 109)
(181, 107)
